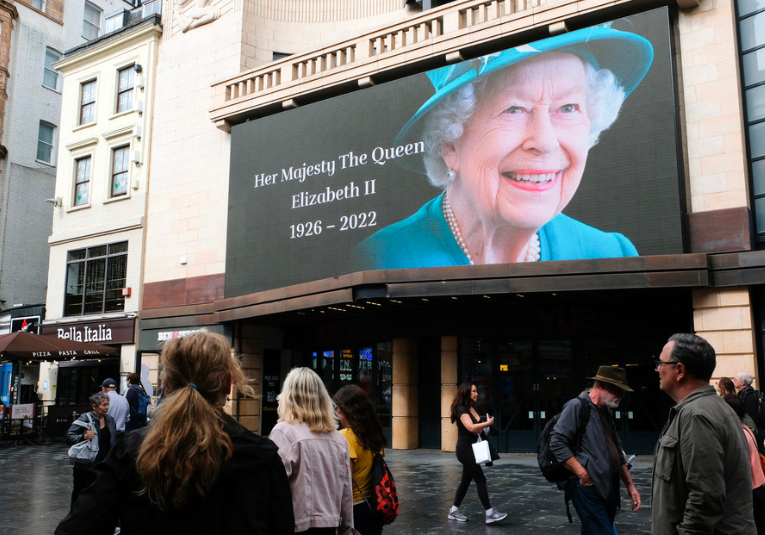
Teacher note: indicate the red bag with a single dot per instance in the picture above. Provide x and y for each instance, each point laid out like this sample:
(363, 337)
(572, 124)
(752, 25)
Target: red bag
(384, 489)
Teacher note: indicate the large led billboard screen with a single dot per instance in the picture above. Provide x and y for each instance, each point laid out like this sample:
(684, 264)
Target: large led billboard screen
(564, 148)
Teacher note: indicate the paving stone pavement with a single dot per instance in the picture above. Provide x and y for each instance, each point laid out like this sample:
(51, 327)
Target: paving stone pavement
(36, 483)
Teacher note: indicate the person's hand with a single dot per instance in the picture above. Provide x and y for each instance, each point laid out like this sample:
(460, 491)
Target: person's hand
(584, 479)
(636, 502)
(88, 434)
(489, 420)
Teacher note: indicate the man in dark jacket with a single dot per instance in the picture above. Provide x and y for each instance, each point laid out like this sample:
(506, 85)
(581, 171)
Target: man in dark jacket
(134, 392)
(702, 480)
(743, 383)
(598, 463)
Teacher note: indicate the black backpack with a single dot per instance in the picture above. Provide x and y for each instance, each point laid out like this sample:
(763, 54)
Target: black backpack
(552, 470)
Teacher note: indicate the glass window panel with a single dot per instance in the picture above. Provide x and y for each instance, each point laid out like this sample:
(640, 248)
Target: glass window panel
(755, 103)
(126, 78)
(91, 23)
(116, 248)
(754, 67)
(757, 140)
(759, 209)
(82, 182)
(88, 101)
(125, 90)
(45, 142)
(77, 255)
(75, 279)
(120, 171)
(758, 177)
(38, 4)
(749, 6)
(50, 77)
(95, 252)
(82, 194)
(94, 286)
(115, 281)
(752, 32)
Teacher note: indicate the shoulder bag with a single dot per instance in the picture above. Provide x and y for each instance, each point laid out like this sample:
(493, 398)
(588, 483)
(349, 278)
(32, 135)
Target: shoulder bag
(85, 451)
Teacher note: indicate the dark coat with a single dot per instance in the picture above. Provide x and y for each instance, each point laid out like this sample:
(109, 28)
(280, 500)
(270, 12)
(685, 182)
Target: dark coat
(251, 495)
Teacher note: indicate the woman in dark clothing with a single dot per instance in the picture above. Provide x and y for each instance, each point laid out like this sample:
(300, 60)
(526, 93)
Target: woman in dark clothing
(194, 469)
(469, 426)
(84, 473)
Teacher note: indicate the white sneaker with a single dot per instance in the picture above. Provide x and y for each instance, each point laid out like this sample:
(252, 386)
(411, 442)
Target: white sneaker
(495, 516)
(456, 515)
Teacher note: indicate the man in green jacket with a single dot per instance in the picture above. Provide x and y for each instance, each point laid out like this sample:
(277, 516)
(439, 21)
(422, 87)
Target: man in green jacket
(702, 479)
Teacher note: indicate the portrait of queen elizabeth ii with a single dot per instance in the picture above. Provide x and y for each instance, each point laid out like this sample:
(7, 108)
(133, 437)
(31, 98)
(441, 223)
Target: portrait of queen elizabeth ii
(506, 139)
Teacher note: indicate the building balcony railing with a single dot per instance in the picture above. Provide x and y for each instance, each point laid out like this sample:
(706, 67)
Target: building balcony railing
(431, 39)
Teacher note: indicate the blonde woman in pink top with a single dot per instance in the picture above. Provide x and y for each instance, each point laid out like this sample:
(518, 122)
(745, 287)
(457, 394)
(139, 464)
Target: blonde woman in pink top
(758, 476)
(315, 456)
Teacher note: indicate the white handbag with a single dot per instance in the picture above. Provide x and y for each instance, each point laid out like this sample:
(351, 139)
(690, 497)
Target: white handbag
(481, 451)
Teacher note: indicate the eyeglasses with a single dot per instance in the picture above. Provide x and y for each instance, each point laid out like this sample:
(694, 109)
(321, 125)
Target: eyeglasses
(659, 363)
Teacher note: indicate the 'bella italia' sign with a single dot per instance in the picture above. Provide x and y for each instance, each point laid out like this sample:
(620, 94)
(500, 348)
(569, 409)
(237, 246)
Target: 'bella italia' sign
(120, 331)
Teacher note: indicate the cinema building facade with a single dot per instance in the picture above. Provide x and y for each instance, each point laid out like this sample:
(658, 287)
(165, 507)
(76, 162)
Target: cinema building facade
(272, 198)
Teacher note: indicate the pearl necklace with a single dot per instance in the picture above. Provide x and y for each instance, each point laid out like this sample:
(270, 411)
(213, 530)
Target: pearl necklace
(533, 248)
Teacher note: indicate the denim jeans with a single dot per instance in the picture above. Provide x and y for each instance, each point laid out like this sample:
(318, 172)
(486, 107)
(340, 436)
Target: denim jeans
(597, 515)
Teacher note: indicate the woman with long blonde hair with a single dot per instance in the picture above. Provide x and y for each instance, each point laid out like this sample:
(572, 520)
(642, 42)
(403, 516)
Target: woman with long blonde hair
(194, 469)
(315, 456)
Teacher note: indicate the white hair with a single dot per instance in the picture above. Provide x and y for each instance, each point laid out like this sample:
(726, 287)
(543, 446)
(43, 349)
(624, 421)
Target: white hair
(447, 120)
(745, 378)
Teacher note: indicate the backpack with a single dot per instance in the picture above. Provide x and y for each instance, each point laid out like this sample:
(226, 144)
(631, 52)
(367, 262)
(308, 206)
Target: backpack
(759, 415)
(144, 400)
(384, 495)
(552, 470)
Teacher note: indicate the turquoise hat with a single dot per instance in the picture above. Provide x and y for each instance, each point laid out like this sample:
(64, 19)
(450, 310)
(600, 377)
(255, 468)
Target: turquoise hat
(626, 54)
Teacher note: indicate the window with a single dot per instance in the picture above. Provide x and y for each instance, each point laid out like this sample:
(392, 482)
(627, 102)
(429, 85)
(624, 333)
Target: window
(39, 4)
(88, 102)
(50, 77)
(45, 142)
(82, 181)
(125, 89)
(91, 22)
(95, 277)
(120, 167)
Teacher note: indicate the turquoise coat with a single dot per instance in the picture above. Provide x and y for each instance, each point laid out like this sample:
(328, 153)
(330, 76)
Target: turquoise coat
(424, 239)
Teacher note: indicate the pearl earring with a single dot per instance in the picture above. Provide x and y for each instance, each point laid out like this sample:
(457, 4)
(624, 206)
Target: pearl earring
(450, 176)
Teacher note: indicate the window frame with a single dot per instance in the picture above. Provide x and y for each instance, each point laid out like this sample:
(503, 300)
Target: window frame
(84, 104)
(85, 20)
(51, 145)
(113, 173)
(129, 70)
(90, 261)
(49, 68)
(77, 182)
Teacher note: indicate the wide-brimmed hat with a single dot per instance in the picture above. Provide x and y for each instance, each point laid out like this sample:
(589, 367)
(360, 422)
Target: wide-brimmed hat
(626, 54)
(614, 376)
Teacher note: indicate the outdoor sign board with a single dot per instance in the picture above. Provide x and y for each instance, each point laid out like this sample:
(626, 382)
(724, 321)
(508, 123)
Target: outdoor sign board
(308, 186)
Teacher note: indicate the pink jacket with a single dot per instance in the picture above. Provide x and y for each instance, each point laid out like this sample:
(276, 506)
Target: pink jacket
(320, 476)
(758, 477)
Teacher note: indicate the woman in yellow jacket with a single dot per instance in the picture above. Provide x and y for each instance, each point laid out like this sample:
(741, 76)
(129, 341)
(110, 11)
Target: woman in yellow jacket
(365, 438)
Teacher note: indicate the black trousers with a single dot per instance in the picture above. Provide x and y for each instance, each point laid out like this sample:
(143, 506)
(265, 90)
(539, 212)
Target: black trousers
(470, 471)
(82, 479)
(758, 504)
(363, 521)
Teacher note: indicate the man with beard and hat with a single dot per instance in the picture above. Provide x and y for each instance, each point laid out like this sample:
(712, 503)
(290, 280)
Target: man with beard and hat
(594, 455)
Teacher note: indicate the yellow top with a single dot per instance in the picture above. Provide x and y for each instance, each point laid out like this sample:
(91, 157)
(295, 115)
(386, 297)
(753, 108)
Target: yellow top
(361, 464)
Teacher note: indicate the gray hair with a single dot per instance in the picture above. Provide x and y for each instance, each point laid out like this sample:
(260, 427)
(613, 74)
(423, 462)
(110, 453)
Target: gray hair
(98, 398)
(447, 121)
(697, 355)
(745, 378)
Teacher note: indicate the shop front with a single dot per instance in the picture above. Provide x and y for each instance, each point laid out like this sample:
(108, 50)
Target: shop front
(66, 385)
